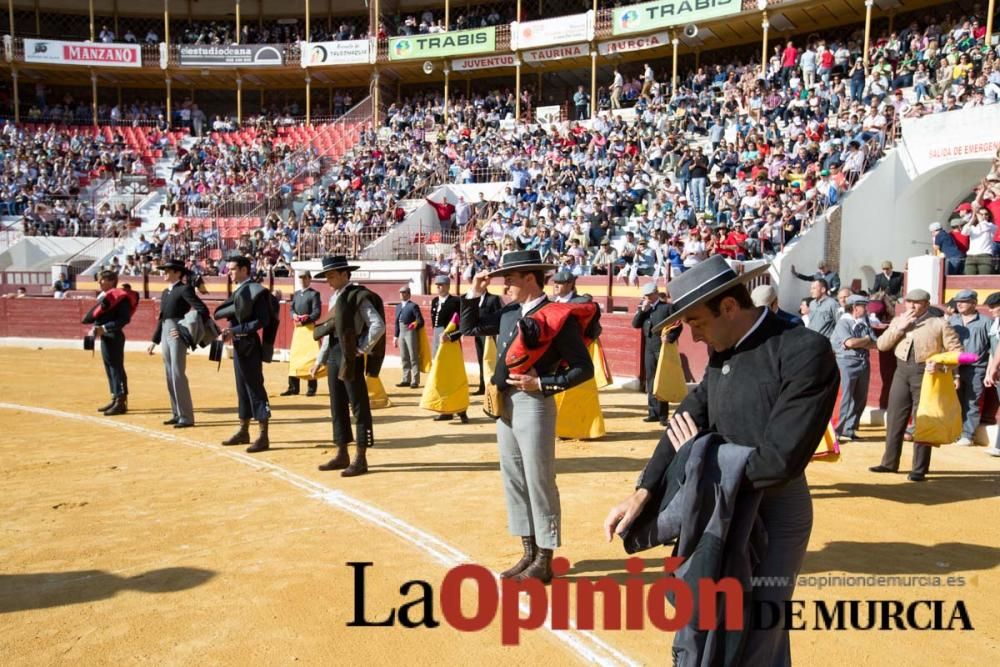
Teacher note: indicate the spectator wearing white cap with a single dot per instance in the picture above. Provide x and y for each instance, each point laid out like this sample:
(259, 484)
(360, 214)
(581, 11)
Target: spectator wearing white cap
(764, 296)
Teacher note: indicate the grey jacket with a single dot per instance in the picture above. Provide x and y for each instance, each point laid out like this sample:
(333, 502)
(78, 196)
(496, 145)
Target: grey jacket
(714, 523)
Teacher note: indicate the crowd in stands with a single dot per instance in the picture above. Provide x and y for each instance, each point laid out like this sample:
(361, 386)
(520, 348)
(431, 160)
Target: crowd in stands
(43, 171)
(729, 163)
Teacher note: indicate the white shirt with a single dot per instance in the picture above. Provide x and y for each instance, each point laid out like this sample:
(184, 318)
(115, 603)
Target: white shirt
(528, 305)
(756, 324)
(980, 237)
(566, 299)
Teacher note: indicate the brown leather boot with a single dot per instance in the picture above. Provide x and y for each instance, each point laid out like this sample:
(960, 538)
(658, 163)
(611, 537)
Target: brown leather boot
(338, 462)
(358, 467)
(530, 550)
(242, 436)
(262, 443)
(540, 568)
(118, 407)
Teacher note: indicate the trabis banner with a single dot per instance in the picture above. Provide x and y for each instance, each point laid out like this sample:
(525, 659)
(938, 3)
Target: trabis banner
(667, 13)
(345, 52)
(230, 55)
(56, 52)
(443, 44)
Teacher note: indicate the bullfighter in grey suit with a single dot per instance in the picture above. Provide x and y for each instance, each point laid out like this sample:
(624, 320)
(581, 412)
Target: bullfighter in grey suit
(526, 430)
(409, 325)
(176, 301)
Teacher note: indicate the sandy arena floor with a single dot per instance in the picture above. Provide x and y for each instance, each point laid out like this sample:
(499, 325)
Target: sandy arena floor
(125, 541)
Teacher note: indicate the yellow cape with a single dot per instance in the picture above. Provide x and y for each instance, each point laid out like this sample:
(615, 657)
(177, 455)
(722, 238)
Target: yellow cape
(424, 350)
(447, 388)
(377, 396)
(303, 353)
(489, 357)
(669, 385)
(602, 373)
(579, 415)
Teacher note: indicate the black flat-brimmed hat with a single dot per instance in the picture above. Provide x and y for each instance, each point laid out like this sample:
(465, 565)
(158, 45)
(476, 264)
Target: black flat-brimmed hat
(172, 265)
(334, 263)
(703, 281)
(521, 260)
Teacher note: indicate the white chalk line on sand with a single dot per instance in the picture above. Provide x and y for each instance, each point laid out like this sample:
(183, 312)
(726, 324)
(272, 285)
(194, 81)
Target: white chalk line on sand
(585, 644)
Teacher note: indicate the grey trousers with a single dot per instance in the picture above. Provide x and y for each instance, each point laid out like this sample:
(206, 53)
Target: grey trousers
(526, 435)
(970, 391)
(409, 354)
(436, 340)
(787, 514)
(175, 367)
(855, 375)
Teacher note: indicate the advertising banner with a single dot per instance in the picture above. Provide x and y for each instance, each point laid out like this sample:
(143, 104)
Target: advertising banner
(667, 13)
(950, 137)
(556, 53)
(637, 43)
(482, 62)
(443, 44)
(562, 30)
(230, 55)
(56, 52)
(347, 52)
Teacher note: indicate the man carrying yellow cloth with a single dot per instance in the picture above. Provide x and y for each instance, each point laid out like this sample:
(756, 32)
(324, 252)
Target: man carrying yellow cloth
(579, 415)
(447, 388)
(306, 308)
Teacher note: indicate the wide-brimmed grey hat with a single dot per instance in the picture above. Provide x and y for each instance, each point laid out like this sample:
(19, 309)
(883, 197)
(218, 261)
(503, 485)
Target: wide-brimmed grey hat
(334, 263)
(705, 280)
(521, 260)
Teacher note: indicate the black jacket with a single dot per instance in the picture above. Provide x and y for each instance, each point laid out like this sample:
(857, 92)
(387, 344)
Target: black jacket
(441, 313)
(564, 365)
(406, 314)
(647, 321)
(175, 303)
(775, 393)
(893, 285)
(307, 302)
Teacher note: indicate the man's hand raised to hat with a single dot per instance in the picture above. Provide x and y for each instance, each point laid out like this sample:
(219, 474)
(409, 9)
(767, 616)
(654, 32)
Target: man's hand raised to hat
(480, 282)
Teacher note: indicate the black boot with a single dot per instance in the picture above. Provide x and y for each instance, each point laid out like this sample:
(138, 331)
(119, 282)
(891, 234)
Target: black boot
(338, 462)
(359, 466)
(530, 550)
(105, 408)
(464, 417)
(118, 407)
(312, 388)
(242, 436)
(293, 387)
(540, 568)
(262, 443)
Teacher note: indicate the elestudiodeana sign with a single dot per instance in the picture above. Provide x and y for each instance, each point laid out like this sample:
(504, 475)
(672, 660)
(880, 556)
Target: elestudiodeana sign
(346, 52)
(56, 52)
(666, 13)
(231, 55)
(443, 44)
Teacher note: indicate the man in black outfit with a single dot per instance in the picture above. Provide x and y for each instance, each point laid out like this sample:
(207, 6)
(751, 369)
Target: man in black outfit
(176, 301)
(110, 316)
(889, 282)
(358, 330)
(444, 307)
(769, 385)
(488, 303)
(653, 309)
(248, 310)
(306, 308)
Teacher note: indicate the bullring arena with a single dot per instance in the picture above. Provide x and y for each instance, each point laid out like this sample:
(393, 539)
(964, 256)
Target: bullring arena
(124, 542)
(626, 142)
